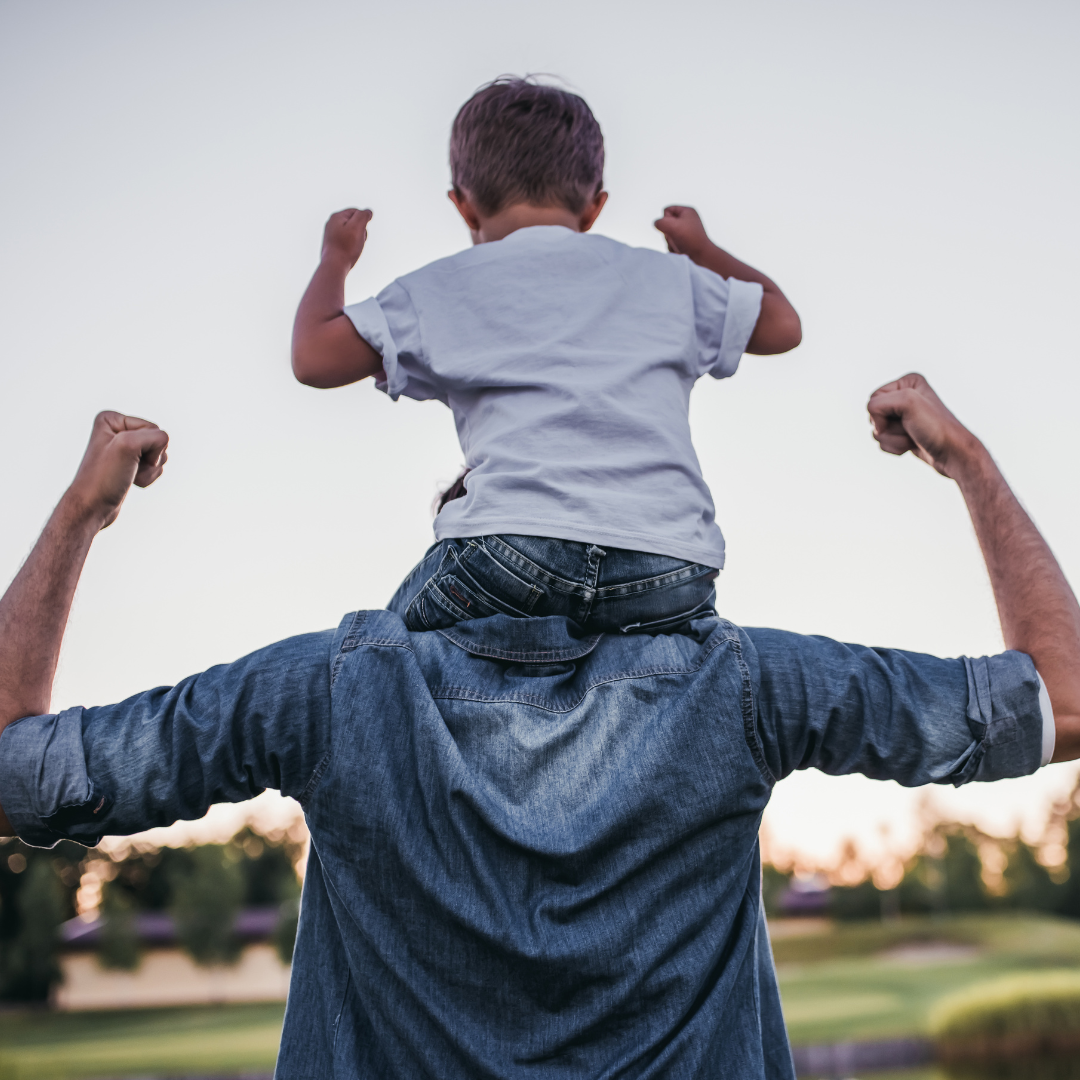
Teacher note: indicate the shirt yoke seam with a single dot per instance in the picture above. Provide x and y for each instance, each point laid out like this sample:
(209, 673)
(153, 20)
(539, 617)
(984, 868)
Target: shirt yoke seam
(463, 693)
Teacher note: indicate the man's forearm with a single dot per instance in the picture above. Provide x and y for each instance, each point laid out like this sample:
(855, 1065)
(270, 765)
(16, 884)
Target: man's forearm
(34, 610)
(123, 450)
(1037, 608)
(34, 613)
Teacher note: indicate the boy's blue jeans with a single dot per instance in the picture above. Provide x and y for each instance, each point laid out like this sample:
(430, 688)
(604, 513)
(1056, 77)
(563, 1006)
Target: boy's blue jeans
(607, 590)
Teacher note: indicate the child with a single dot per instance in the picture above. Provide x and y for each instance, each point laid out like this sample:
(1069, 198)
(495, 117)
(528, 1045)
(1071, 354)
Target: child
(567, 360)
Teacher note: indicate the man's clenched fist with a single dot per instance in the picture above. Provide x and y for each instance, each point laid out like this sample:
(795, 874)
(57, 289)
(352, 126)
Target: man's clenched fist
(908, 416)
(123, 450)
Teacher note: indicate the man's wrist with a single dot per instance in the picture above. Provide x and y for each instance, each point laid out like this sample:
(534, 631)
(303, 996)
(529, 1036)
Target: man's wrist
(968, 460)
(78, 511)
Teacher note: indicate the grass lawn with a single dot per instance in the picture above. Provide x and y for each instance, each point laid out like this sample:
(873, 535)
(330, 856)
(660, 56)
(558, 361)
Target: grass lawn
(843, 982)
(219, 1039)
(872, 981)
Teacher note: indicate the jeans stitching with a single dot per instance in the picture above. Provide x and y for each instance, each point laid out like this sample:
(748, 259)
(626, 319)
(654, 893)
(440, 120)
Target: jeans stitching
(523, 562)
(470, 584)
(657, 581)
(750, 732)
(685, 576)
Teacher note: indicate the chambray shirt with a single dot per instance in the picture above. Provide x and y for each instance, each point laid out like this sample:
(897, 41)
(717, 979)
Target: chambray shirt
(568, 360)
(534, 853)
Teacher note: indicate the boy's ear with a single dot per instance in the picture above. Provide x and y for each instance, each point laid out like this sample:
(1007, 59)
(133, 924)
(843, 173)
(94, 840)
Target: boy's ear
(592, 211)
(465, 208)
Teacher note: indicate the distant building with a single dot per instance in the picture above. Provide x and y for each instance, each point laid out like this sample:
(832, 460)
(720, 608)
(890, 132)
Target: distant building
(167, 975)
(805, 896)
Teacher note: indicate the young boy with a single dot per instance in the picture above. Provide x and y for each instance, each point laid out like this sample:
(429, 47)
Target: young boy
(567, 360)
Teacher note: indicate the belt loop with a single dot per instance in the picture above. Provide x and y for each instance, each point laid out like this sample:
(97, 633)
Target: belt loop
(592, 574)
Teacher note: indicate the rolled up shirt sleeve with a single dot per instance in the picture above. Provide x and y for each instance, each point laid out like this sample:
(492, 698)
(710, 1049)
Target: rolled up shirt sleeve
(726, 311)
(390, 325)
(1049, 727)
(224, 735)
(894, 715)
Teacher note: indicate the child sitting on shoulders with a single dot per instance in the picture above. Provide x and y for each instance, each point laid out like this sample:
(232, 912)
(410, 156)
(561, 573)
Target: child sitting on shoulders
(567, 360)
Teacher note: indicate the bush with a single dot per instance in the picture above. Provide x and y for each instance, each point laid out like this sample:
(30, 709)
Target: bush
(1018, 1015)
(1041, 1068)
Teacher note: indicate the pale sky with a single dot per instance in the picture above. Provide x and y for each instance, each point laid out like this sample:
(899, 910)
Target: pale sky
(907, 173)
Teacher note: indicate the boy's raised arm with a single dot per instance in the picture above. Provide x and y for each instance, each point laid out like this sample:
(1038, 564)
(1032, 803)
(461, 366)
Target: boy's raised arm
(326, 349)
(778, 327)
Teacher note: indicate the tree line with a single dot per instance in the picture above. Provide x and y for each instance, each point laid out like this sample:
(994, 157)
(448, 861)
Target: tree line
(202, 888)
(948, 873)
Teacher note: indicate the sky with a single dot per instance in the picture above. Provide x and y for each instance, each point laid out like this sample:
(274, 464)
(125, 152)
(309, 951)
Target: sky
(906, 173)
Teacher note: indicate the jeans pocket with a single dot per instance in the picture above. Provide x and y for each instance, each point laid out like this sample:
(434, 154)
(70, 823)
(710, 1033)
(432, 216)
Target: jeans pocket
(489, 573)
(445, 600)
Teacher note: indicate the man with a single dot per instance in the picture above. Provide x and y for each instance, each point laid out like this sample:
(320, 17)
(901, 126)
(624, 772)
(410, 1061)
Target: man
(534, 851)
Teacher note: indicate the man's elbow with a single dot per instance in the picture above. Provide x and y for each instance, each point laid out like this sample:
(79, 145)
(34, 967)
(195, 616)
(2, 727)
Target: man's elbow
(1067, 735)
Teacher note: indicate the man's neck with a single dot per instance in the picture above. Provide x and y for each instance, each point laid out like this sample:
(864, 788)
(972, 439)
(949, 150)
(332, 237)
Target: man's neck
(523, 216)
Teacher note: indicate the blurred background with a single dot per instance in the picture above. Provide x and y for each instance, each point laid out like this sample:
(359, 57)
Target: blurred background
(907, 173)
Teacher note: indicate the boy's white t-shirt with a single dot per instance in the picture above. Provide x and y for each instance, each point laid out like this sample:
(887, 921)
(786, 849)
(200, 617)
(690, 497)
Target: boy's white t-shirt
(567, 360)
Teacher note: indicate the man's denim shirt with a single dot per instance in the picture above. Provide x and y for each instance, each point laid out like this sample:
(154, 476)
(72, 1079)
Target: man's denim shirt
(533, 852)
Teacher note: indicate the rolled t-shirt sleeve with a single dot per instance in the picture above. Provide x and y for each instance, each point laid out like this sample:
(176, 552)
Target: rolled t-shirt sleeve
(224, 735)
(891, 714)
(726, 311)
(390, 325)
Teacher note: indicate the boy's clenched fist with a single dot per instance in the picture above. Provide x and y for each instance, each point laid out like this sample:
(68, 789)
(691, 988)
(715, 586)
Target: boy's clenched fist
(345, 235)
(683, 230)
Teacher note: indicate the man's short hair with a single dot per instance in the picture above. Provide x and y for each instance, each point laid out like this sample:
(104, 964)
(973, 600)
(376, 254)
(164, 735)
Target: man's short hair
(517, 140)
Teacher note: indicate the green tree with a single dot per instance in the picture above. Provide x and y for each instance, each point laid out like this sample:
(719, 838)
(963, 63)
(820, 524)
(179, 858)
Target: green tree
(962, 871)
(948, 880)
(32, 964)
(206, 898)
(1069, 903)
(147, 876)
(1028, 885)
(118, 943)
(862, 901)
(269, 874)
(773, 884)
(285, 931)
(921, 889)
(37, 890)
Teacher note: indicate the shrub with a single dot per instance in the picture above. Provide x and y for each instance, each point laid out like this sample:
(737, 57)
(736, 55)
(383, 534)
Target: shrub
(1018, 1015)
(1040, 1068)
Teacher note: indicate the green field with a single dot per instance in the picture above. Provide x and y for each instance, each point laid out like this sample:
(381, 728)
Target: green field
(79, 1046)
(848, 982)
(872, 981)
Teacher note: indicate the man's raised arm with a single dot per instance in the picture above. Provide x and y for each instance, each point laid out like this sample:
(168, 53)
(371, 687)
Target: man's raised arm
(1038, 610)
(123, 450)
